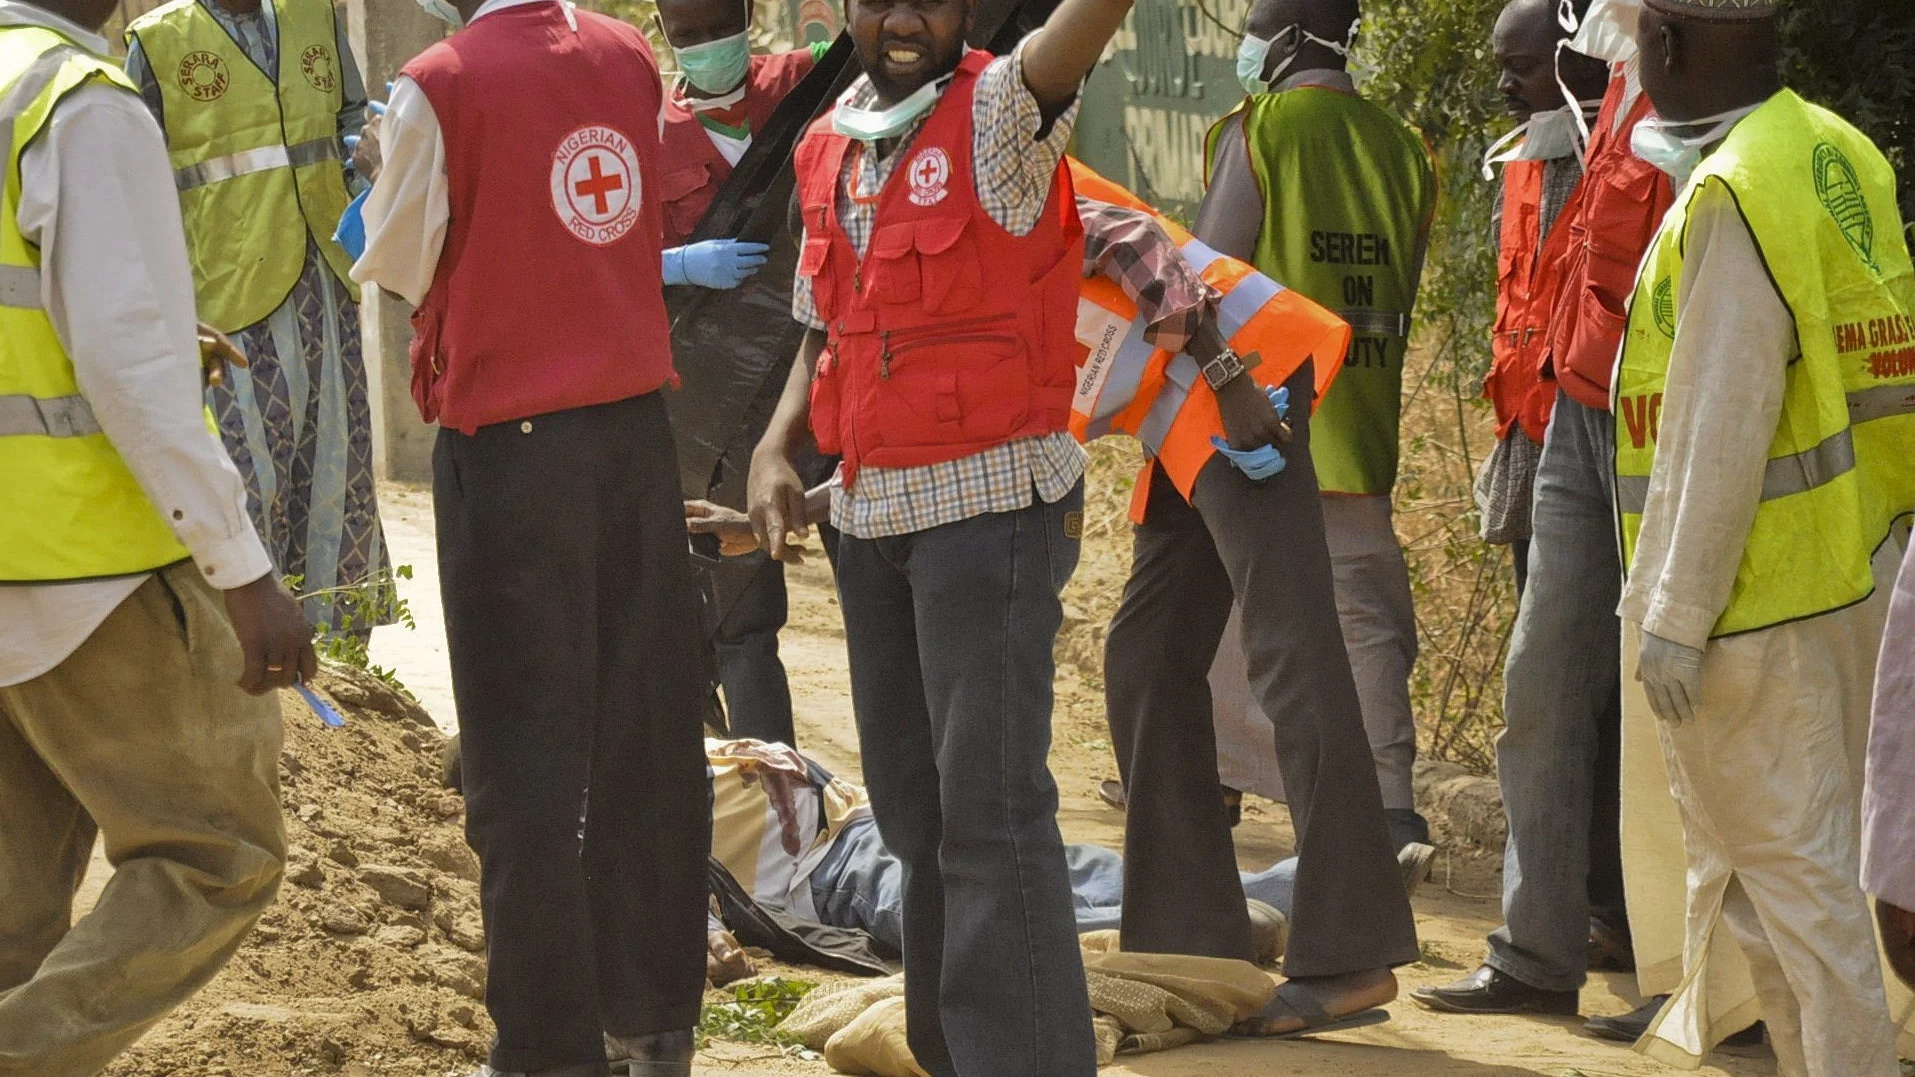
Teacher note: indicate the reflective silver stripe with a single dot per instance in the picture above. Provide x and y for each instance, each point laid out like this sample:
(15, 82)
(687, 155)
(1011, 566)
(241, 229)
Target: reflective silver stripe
(1180, 375)
(1881, 402)
(1243, 303)
(1377, 322)
(20, 287)
(1632, 493)
(1785, 475)
(1811, 468)
(247, 162)
(55, 417)
(1120, 387)
(1199, 254)
(24, 91)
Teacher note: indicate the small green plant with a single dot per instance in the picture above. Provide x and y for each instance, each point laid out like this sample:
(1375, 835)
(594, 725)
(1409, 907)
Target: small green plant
(347, 616)
(753, 1012)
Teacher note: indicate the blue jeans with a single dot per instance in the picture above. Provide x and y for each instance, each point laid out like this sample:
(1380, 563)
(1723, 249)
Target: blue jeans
(949, 633)
(860, 885)
(1562, 712)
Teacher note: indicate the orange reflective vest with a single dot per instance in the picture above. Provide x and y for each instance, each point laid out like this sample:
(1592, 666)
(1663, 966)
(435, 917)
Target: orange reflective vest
(1125, 386)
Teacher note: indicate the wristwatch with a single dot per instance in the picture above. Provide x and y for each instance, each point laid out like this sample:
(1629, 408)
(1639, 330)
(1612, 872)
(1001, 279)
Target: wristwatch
(1223, 369)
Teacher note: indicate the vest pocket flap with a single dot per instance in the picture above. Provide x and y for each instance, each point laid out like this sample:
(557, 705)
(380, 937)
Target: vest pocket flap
(811, 260)
(935, 235)
(673, 186)
(891, 241)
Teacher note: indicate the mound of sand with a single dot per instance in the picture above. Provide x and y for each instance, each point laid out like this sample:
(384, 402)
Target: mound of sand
(372, 960)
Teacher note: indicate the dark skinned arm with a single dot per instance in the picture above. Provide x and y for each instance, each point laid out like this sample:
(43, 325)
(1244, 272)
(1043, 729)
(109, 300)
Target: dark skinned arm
(774, 493)
(1060, 56)
(1230, 220)
(1898, 939)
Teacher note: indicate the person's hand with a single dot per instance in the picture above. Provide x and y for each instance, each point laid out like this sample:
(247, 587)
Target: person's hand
(726, 961)
(366, 157)
(217, 352)
(1250, 419)
(776, 500)
(714, 263)
(273, 635)
(1898, 939)
(1671, 674)
(733, 528)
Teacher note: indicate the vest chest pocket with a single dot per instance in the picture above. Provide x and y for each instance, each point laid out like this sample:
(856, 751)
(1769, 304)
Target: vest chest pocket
(896, 275)
(682, 195)
(953, 279)
(811, 266)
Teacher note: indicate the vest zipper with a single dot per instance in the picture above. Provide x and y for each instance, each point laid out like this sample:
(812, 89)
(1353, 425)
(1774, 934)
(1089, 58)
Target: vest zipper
(884, 359)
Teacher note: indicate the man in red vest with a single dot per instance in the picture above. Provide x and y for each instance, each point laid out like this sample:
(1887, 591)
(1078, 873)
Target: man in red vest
(519, 208)
(1559, 758)
(722, 96)
(939, 279)
(1540, 173)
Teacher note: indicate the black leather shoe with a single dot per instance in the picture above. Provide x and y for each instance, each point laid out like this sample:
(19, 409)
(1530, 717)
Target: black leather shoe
(1629, 1027)
(1489, 991)
(1633, 1025)
(659, 1054)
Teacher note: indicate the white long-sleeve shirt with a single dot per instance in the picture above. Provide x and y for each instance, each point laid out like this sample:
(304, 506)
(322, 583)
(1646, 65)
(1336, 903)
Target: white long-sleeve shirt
(408, 210)
(1721, 404)
(97, 198)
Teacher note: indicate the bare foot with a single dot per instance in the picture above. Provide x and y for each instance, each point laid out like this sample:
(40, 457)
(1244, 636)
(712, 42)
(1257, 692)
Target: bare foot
(1305, 1003)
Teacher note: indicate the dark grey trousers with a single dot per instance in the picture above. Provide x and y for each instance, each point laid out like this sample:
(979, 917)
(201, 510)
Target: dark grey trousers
(572, 622)
(950, 633)
(1263, 544)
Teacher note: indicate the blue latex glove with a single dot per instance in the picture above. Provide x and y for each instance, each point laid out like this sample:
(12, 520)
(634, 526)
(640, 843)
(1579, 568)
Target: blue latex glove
(715, 263)
(1259, 464)
(351, 233)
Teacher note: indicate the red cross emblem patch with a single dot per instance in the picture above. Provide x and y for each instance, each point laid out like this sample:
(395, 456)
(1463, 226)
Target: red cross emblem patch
(929, 175)
(595, 184)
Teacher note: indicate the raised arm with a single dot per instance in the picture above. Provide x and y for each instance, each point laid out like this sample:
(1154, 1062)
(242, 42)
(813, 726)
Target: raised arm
(1060, 56)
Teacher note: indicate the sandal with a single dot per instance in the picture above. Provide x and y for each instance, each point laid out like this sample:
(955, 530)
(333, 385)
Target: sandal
(1316, 1019)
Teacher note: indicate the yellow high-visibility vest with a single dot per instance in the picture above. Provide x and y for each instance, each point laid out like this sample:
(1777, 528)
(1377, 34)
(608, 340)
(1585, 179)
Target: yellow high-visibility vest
(1819, 199)
(69, 507)
(257, 164)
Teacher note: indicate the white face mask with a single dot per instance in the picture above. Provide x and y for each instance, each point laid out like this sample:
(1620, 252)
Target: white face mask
(1608, 31)
(1656, 141)
(444, 11)
(1544, 136)
(1253, 55)
(876, 125)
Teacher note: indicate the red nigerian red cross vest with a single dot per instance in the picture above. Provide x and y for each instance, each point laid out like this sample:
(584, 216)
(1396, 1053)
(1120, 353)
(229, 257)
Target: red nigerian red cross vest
(693, 166)
(1614, 215)
(953, 336)
(548, 294)
(1529, 269)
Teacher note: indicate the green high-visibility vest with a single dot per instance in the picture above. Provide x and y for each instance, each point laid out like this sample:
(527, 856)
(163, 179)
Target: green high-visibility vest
(1819, 199)
(69, 507)
(257, 164)
(1348, 191)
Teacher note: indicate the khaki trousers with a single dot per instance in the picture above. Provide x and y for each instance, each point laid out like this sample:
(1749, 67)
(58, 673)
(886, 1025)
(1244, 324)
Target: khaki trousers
(142, 736)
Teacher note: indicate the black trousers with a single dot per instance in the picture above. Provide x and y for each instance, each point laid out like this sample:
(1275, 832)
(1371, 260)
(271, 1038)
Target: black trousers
(573, 625)
(1262, 544)
(748, 606)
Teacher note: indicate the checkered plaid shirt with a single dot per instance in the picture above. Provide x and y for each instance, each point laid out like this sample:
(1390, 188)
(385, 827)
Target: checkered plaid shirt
(1132, 249)
(1013, 173)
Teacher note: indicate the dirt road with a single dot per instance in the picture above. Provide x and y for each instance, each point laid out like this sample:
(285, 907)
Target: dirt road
(1453, 913)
